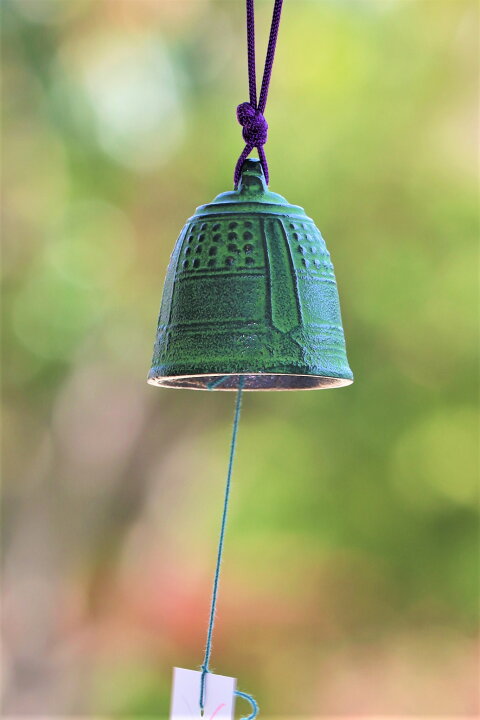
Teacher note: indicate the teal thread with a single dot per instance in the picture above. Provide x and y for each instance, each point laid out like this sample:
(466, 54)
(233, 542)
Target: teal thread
(215, 383)
(211, 622)
(208, 648)
(252, 702)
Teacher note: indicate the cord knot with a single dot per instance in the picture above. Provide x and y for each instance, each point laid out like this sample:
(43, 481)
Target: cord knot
(255, 127)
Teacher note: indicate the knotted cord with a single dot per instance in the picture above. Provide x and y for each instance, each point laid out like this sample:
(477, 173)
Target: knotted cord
(250, 114)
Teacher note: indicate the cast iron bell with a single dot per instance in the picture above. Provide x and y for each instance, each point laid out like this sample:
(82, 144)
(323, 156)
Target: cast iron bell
(250, 294)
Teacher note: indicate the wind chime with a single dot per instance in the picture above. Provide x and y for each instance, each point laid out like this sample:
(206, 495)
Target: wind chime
(250, 302)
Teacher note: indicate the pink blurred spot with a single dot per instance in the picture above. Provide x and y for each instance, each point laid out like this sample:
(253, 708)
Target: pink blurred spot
(217, 710)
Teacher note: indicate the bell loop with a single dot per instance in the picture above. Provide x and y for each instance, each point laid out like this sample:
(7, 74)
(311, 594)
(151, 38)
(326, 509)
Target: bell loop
(252, 179)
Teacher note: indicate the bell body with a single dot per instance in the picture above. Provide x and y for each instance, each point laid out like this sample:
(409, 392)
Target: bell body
(250, 294)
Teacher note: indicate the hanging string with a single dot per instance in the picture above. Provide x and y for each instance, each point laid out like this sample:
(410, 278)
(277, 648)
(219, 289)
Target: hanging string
(249, 114)
(213, 605)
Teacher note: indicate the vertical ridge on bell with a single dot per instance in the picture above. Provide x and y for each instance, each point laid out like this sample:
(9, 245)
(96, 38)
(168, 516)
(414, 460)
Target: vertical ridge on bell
(283, 290)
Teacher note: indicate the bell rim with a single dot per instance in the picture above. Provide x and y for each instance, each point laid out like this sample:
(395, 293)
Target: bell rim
(253, 381)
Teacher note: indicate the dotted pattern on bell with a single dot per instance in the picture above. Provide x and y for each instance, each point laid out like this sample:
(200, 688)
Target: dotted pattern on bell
(310, 254)
(220, 245)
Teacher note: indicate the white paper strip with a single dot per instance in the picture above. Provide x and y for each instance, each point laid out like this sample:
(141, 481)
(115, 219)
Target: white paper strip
(219, 696)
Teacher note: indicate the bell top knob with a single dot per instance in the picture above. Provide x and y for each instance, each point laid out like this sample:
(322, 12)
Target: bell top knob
(252, 191)
(252, 179)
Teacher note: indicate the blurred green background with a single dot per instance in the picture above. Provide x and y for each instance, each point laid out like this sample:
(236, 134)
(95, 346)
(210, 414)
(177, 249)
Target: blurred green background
(350, 577)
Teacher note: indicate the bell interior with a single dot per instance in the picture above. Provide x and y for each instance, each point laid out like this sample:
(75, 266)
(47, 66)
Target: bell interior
(251, 381)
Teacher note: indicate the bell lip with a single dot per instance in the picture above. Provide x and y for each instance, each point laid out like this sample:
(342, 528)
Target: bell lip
(252, 381)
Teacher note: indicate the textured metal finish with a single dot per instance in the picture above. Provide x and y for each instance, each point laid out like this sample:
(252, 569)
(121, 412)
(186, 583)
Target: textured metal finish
(250, 291)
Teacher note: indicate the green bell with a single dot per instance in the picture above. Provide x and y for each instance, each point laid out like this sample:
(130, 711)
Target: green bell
(250, 293)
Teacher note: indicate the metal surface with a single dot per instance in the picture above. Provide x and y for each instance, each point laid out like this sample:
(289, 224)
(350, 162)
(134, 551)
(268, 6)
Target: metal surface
(250, 291)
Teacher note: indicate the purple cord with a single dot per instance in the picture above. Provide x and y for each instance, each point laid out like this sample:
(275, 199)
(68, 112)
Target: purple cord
(249, 114)
(252, 75)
